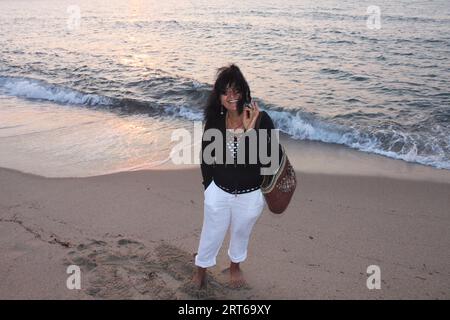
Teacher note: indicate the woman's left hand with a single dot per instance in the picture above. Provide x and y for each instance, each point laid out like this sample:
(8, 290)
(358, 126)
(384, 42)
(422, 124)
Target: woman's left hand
(250, 115)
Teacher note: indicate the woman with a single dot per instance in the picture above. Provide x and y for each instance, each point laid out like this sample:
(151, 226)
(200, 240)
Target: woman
(232, 190)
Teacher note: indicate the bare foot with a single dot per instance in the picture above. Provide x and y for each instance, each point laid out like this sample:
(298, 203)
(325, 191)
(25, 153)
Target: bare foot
(199, 278)
(236, 276)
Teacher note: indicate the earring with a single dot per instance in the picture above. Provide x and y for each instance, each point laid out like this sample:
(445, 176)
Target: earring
(221, 110)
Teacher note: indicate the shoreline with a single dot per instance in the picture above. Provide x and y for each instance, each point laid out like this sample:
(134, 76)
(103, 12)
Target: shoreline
(133, 235)
(27, 151)
(305, 156)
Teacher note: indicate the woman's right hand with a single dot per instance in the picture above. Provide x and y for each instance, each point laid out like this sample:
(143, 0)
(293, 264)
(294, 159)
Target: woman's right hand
(250, 115)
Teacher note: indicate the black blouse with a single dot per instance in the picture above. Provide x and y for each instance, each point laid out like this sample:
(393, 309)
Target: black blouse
(237, 177)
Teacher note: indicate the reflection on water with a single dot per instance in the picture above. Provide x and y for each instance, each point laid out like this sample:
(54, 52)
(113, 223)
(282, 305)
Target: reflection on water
(313, 65)
(74, 141)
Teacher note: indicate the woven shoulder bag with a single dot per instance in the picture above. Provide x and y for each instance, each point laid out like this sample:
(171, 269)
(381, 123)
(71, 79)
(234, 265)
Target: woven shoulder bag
(279, 188)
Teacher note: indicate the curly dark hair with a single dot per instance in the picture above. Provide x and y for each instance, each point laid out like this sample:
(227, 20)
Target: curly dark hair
(227, 77)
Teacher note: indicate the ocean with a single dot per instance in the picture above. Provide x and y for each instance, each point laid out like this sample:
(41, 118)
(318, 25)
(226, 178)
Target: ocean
(92, 87)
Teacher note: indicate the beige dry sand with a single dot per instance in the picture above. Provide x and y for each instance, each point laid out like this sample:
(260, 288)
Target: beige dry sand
(133, 235)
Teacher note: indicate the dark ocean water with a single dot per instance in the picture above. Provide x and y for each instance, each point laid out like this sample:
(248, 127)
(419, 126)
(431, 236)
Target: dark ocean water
(316, 67)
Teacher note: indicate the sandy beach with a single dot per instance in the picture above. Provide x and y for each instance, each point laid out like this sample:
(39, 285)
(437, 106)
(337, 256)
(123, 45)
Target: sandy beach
(133, 235)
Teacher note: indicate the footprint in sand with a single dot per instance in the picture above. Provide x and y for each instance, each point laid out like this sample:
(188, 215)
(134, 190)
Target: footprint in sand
(127, 269)
(120, 270)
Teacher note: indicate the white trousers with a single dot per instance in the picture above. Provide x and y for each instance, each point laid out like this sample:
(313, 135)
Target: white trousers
(222, 210)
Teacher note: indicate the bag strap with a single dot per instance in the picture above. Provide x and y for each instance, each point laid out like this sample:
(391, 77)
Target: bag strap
(258, 120)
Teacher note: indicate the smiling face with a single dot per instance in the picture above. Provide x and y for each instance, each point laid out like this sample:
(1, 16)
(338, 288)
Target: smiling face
(230, 97)
(231, 90)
